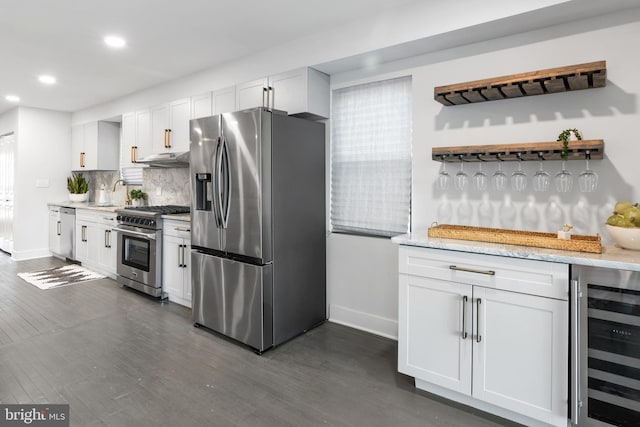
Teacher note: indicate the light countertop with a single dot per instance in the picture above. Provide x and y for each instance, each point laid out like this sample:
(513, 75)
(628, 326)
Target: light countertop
(611, 256)
(86, 205)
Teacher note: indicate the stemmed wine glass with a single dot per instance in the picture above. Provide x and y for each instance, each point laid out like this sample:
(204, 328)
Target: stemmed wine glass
(480, 178)
(461, 178)
(519, 178)
(564, 179)
(541, 178)
(443, 176)
(499, 178)
(588, 179)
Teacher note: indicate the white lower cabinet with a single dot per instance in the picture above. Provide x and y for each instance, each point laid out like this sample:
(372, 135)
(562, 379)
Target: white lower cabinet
(55, 231)
(502, 351)
(176, 261)
(96, 241)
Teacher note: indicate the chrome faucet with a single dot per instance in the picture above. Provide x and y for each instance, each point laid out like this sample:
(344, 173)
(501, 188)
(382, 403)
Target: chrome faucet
(127, 200)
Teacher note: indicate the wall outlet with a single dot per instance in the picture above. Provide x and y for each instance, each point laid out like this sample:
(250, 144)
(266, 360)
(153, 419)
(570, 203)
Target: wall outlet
(158, 191)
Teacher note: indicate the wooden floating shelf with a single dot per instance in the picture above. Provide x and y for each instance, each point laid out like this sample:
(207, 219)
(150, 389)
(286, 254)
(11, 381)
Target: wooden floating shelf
(553, 80)
(527, 150)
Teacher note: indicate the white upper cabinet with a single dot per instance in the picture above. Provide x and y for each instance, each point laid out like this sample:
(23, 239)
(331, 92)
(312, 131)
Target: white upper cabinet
(94, 146)
(201, 106)
(143, 145)
(170, 126)
(128, 140)
(303, 92)
(224, 100)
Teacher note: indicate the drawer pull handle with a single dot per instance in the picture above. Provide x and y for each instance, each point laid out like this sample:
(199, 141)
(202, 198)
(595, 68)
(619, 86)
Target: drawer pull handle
(471, 270)
(478, 336)
(464, 317)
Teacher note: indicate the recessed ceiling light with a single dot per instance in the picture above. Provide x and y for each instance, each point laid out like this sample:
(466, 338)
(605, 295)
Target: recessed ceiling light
(12, 98)
(48, 80)
(115, 41)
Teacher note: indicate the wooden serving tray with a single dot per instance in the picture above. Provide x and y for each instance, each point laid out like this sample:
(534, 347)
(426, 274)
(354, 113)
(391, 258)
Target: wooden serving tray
(580, 243)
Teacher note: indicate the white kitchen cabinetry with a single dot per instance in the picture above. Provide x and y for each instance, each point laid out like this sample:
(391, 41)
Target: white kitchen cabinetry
(128, 140)
(201, 105)
(224, 100)
(176, 261)
(55, 230)
(143, 146)
(303, 92)
(170, 126)
(94, 146)
(96, 241)
(487, 331)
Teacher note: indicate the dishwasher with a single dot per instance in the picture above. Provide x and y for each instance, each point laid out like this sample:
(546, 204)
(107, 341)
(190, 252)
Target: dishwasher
(605, 347)
(68, 233)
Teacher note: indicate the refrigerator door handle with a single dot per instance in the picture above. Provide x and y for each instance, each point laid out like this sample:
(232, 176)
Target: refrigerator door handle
(216, 184)
(225, 203)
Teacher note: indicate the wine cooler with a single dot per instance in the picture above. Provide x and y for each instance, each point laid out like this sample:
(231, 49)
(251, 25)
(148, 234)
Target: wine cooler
(605, 347)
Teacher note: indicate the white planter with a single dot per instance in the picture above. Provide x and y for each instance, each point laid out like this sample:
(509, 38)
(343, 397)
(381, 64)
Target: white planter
(137, 202)
(78, 198)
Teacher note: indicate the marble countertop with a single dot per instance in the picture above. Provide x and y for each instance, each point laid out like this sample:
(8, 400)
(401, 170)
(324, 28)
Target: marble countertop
(611, 256)
(87, 205)
(178, 217)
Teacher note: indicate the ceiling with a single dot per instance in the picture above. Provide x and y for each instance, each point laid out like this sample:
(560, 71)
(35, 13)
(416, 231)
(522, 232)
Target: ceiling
(165, 40)
(171, 39)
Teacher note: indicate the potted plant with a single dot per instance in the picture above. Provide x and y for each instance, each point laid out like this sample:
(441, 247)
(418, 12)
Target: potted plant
(78, 187)
(565, 136)
(137, 197)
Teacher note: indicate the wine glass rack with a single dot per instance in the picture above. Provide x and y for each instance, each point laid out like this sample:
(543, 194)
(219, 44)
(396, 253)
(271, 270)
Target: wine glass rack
(578, 150)
(553, 80)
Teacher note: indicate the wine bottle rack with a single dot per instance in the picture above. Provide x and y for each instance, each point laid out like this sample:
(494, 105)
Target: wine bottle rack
(523, 151)
(553, 80)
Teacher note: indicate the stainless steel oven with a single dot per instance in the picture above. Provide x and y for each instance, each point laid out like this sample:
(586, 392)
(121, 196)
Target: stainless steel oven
(140, 259)
(140, 246)
(605, 347)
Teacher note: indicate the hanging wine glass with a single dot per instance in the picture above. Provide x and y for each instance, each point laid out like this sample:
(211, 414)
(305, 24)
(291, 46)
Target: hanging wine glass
(461, 178)
(499, 178)
(588, 179)
(519, 178)
(564, 180)
(541, 177)
(480, 178)
(443, 176)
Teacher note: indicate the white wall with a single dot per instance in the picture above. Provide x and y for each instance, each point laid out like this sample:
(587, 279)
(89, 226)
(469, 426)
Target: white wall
(43, 152)
(359, 267)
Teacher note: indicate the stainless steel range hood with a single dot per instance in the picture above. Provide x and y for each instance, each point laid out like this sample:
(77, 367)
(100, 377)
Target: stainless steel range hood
(166, 160)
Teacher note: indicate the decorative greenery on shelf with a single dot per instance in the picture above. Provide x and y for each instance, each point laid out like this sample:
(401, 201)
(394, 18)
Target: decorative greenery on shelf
(138, 195)
(77, 184)
(564, 137)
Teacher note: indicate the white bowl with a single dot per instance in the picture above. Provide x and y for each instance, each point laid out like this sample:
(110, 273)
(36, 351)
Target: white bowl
(625, 237)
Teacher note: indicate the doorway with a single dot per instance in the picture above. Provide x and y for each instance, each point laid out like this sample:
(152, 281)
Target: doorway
(7, 156)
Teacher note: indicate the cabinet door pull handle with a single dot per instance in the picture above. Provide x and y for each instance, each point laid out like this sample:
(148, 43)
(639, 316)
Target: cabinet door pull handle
(106, 244)
(168, 138)
(471, 270)
(179, 256)
(184, 256)
(182, 229)
(264, 92)
(271, 95)
(478, 336)
(464, 317)
(109, 238)
(59, 231)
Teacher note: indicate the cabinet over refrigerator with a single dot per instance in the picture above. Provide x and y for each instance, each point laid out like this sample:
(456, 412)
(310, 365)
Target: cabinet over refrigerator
(258, 225)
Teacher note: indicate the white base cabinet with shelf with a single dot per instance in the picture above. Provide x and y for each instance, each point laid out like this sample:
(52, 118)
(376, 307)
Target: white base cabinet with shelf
(96, 241)
(486, 331)
(176, 261)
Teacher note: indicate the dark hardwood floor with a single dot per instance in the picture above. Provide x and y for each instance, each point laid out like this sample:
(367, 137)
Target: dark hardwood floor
(121, 359)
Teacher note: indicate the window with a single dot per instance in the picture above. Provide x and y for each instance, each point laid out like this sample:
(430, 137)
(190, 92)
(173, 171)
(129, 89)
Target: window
(371, 158)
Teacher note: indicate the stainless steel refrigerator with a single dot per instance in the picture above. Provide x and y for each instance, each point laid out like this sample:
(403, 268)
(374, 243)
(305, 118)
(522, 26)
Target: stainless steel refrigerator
(258, 239)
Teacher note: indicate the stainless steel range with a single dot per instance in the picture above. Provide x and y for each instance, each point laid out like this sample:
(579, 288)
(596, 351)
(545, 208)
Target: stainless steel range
(140, 246)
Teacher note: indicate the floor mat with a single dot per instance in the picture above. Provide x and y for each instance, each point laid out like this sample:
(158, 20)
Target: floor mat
(59, 276)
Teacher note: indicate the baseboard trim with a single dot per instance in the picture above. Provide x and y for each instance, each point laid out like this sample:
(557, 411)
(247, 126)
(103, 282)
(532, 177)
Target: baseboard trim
(33, 254)
(367, 322)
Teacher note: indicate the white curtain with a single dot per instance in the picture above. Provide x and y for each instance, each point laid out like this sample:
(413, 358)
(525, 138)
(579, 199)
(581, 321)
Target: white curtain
(371, 158)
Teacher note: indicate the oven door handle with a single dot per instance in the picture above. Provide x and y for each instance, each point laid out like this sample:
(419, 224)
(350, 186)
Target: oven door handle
(150, 236)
